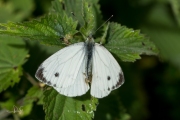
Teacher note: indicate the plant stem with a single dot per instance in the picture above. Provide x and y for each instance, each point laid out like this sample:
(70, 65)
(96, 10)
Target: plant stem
(31, 79)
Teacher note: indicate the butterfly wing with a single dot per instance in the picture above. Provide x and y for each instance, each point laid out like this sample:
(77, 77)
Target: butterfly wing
(65, 70)
(79, 87)
(106, 72)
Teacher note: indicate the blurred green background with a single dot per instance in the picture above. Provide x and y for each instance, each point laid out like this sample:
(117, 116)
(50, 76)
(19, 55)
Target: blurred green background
(152, 84)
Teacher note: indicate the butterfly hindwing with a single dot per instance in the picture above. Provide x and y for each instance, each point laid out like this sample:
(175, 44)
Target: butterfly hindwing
(106, 72)
(65, 70)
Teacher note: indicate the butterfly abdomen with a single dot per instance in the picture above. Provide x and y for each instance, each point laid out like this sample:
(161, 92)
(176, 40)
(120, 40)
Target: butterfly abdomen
(89, 48)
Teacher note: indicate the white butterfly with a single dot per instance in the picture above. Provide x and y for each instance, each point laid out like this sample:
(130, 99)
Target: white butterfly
(72, 69)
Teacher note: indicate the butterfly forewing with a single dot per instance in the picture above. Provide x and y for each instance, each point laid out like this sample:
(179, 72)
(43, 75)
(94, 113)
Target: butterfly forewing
(64, 71)
(79, 87)
(106, 72)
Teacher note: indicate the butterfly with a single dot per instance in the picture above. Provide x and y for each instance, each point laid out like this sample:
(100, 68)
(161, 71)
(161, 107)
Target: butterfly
(72, 70)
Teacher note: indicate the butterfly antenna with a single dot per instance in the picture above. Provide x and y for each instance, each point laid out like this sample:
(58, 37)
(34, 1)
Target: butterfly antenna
(104, 23)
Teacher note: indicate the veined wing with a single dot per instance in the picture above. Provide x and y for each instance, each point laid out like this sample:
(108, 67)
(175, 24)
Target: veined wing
(106, 72)
(65, 70)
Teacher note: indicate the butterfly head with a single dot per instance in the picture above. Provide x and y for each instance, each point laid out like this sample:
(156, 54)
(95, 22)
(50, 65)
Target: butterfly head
(90, 39)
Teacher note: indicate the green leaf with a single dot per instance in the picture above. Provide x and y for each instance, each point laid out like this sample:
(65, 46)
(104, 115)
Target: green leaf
(15, 10)
(128, 44)
(35, 94)
(57, 26)
(102, 39)
(175, 4)
(49, 30)
(8, 104)
(12, 57)
(89, 20)
(25, 110)
(164, 32)
(108, 111)
(86, 12)
(59, 107)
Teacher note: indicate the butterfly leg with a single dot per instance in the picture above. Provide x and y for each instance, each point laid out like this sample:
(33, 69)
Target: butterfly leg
(88, 79)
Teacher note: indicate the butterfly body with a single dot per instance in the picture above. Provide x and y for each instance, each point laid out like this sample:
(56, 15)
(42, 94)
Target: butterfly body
(71, 70)
(89, 49)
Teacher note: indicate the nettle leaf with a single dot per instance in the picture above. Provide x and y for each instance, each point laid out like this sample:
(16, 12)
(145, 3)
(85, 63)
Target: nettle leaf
(60, 107)
(86, 12)
(102, 39)
(35, 94)
(89, 19)
(128, 44)
(50, 30)
(12, 57)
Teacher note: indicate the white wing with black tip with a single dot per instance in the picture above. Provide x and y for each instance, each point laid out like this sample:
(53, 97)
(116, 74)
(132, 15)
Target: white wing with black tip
(65, 70)
(107, 75)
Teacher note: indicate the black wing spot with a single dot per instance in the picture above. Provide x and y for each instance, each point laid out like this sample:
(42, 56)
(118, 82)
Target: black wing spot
(40, 76)
(121, 79)
(83, 107)
(44, 80)
(113, 87)
(56, 74)
(108, 77)
(49, 82)
(54, 85)
(39, 73)
(108, 89)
